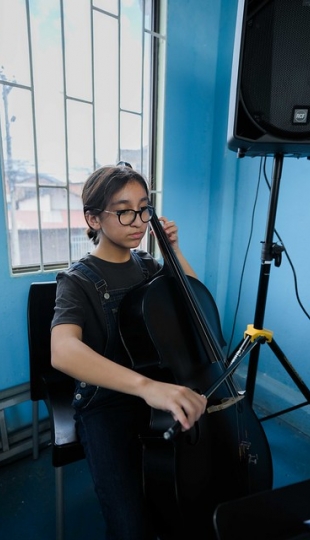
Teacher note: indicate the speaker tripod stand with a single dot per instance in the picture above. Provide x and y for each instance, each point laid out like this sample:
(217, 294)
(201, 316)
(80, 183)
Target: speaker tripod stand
(270, 251)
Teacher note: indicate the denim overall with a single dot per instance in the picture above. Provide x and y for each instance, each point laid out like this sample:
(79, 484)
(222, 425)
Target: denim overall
(108, 424)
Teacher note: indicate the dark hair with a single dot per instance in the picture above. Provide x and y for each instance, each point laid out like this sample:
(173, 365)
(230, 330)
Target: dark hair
(102, 185)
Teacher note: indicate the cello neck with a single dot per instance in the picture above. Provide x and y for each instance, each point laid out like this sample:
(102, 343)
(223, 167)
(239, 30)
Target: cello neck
(212, 346)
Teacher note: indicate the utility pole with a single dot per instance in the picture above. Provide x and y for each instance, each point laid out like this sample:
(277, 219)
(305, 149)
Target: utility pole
(10, 174)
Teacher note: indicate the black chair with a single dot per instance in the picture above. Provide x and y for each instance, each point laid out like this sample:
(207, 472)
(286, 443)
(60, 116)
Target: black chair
(278, 514)
(54, 388)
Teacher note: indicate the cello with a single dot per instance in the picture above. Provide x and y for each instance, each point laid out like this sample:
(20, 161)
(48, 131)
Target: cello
(170, 328)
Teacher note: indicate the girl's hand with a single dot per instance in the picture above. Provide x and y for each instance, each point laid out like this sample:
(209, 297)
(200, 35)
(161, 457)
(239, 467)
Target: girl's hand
(185, 405)
(171, 231)
(172, 234)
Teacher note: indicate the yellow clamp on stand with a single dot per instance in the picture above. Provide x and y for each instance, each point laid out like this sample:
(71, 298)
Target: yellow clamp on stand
(255, 333)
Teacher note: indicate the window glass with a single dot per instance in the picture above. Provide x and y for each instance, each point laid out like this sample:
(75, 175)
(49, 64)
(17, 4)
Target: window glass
(80, 140)
(48, 95)
(131, 45)
(107, 5)
(54, 225)
(79, 89)
(14, 42)
(106, 88)
(77, 35)
(130, 139)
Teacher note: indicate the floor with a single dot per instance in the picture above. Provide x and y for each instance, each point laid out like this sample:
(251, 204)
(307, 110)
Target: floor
(27, 502)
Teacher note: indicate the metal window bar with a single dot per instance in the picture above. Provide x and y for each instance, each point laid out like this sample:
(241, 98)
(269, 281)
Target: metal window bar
(156, 36)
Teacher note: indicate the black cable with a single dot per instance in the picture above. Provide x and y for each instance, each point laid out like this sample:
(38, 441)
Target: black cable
(245, 259)
(286, 253)
(263, 165)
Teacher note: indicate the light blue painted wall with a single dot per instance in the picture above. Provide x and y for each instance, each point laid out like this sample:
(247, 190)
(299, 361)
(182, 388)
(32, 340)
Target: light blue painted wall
(199, 171)
(210, 194)
(14, 363)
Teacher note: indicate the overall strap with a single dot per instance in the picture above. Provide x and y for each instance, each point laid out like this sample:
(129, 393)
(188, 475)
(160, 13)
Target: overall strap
(141, 263)
(98, 281)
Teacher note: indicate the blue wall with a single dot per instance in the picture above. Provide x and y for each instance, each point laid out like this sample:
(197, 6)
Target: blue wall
(14, 363)
(199, 172)
(210, 194)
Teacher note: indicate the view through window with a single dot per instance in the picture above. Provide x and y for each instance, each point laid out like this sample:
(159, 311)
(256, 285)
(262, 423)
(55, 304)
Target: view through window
(81, 87)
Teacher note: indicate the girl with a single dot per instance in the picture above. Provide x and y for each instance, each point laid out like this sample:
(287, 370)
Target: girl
(112, 402)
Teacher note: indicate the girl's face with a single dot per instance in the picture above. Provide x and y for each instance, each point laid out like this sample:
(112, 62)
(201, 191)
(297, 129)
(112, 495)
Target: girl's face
(132, 197)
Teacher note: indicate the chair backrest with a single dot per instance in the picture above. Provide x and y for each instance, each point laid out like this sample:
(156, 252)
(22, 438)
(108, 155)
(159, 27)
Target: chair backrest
(40, 311)
(46, 383)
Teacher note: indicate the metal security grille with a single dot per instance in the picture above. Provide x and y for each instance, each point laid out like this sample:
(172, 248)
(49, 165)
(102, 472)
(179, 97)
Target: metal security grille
(81, 87)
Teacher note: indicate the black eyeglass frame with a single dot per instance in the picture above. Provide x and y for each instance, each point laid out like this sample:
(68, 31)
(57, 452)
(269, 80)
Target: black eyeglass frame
(119, 213)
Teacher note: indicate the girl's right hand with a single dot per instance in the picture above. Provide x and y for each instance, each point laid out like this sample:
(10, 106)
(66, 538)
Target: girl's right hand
(185, 405)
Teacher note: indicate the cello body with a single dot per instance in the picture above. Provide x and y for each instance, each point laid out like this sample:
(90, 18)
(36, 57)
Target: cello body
(226, 454)
(170, 328)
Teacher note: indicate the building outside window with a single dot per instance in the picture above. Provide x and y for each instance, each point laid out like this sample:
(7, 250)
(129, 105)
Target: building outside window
(81, 87)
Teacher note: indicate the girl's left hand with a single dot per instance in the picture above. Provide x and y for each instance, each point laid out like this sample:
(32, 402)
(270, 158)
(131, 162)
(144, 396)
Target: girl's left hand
(171, 231)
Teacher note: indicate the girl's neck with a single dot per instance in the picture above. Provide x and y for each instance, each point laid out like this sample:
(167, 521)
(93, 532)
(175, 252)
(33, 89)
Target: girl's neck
(113, 254)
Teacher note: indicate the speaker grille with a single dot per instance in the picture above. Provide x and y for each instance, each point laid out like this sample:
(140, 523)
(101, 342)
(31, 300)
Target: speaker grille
(275, 79)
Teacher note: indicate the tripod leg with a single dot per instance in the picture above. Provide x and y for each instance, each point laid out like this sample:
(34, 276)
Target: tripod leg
(290, 370)
(266, 258)
(268, 254)
(251, 376)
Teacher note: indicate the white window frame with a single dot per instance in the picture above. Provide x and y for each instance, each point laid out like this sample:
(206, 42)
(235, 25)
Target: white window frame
(21, 180)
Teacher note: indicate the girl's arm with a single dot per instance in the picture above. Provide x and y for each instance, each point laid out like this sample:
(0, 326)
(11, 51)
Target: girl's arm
(72, 356)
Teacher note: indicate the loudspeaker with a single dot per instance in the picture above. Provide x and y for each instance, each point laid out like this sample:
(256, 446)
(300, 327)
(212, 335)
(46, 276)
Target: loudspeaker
(269, 107)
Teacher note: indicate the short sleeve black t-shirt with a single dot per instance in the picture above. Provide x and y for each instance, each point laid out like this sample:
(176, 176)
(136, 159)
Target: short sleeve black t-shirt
(78, 302)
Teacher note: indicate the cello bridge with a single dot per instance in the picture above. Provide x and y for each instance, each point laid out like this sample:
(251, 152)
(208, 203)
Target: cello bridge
(225, 403)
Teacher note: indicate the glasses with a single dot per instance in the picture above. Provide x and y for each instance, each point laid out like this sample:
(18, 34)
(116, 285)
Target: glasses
(127, 217)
